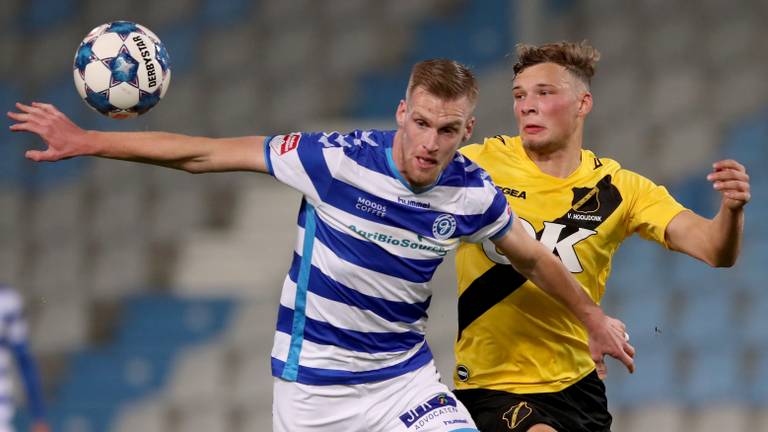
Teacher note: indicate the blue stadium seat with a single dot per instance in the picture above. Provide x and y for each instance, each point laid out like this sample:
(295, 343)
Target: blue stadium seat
(696, 193)
(152, 330)
(655, 378)
(706, 316)
(484, 39)
(182, 43)
(757, 385)
(747, 140)
(715, 374)
(639, 265)
(163, 320)
(689, 275)
(218, 13)
(755, 326)
(750, 270)
(41, 15)
(12, 145)
(646, 315)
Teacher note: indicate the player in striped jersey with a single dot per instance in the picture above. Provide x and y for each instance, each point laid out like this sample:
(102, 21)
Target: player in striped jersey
(535, 372)
(13, 337)
(380, 210)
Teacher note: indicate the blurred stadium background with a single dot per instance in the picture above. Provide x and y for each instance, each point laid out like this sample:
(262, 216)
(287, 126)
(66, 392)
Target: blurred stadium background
(152, 293)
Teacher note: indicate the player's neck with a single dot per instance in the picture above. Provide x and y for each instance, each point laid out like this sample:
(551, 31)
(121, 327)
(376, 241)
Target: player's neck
(557, 162)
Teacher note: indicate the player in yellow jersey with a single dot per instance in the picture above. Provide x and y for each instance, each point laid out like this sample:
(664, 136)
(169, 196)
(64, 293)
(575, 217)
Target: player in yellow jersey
(523, 362)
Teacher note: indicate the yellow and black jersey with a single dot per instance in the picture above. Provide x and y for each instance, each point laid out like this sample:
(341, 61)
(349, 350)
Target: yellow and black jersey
(512, 335)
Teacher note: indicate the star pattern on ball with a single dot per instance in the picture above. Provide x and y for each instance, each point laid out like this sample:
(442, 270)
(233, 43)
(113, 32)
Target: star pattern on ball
(83, 57)
(162, 56)
(123, 67)
(147, 101)
(122, 28)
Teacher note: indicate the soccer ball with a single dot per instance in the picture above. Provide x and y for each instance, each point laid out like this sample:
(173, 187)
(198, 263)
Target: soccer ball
(121, 69)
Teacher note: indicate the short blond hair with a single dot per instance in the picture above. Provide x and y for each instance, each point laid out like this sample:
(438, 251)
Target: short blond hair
(446, 79)
(579, 58)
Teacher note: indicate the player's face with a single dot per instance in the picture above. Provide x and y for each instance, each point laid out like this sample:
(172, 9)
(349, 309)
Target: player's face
(550, 104)
(430, 130)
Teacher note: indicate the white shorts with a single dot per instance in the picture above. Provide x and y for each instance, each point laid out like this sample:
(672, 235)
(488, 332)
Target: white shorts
(416, 401)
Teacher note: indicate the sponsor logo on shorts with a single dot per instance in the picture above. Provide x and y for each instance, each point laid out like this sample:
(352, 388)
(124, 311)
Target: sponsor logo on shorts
(429, 410)
(462, 372)
(285, 143)
(444, 226)
(515, 415)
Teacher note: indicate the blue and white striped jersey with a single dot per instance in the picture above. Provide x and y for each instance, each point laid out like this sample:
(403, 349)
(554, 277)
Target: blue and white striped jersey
(13, 331)
(353, 307)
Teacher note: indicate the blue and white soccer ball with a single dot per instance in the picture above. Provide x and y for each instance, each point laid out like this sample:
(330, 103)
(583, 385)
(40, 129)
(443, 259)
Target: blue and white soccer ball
(121, 69)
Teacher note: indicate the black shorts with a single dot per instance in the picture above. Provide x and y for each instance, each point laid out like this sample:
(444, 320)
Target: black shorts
(581, 407)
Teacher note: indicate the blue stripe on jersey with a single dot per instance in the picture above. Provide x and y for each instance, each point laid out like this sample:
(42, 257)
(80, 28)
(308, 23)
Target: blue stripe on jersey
(313, 161)
(375, 158)
(417, 220)
(326, 287)
(267, 160)
(324, 333)
(316, 376)
(500, 233)
(497, 208)
(369, 255)
(299, 318)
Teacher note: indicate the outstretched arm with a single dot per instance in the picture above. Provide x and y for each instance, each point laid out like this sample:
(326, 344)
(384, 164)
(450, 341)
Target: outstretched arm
(715, 241)
(530, 258)
(64, 139)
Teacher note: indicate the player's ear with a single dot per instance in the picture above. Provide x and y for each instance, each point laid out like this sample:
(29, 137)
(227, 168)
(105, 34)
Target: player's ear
(585, 104)
(470, 127)
(400, 113)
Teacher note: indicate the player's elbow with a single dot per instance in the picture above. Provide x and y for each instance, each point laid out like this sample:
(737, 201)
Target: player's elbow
(722, 260)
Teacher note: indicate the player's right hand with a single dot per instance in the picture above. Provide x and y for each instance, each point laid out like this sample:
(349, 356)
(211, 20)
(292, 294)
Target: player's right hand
(609, 336)
(63, 138)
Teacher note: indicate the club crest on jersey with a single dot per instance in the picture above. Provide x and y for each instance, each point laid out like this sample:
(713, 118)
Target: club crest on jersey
(515, 415)
(285, 143)
(444, 226)
(462, 372)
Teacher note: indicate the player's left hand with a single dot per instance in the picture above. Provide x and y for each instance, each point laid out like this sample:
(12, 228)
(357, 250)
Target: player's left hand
(731, 179)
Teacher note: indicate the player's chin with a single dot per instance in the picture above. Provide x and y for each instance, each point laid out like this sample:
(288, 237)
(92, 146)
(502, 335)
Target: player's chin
(425, 178)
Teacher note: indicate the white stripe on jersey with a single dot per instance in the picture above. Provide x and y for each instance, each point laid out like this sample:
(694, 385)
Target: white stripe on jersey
(344, 316)
(363, 280)
(295, 178)
(447, 199)
(433, 248)
(332, 357)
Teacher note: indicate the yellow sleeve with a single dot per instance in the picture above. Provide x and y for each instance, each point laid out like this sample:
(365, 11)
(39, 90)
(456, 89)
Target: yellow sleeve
(651, 208)
(471, 150)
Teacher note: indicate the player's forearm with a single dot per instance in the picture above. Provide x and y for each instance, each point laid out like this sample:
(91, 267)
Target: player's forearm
(550, 275)
(715, 241)
(726, 232)
(158, 148)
